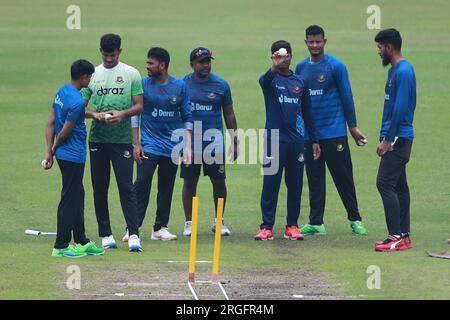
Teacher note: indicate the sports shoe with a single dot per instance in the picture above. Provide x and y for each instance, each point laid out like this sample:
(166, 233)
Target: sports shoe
(408, 242)
(357, 227)
(109, 242)
(187, 228)
(134, 243)
(90, 249)
(225, 231)
(69, 252)
(163, 234)
(313, 229)
(126, 236)
(264, 234)
(392, 243)
(292, 233)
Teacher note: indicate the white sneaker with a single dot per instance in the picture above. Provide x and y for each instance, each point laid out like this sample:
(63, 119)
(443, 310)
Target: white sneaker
(163, 234)
(187, 228)
(225, 230)
(126, 236)
(109, 242)
(134, 243)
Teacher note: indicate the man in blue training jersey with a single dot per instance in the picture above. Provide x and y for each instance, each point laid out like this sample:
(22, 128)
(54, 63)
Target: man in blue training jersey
(166, 112)
(67, 123)
(210, 95)
(396, 137)
(286, 98)
(332, 110)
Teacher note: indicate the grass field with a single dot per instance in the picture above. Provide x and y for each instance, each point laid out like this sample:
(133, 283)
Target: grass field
(35, 53)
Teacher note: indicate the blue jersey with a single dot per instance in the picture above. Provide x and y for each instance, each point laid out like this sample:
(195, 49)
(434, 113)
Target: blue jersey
(332, 106)
(207, 97)
(399, 102)
(68, 105)
(166, 109)
(287, 100)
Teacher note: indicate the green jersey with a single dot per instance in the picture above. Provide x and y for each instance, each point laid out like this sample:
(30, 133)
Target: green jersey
(112, 89)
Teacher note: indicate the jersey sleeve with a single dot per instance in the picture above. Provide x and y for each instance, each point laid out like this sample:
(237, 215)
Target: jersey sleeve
(265, 81)
(75, 111)
(227, 99)
(345, 91)
(186, 111)
(86, 93)
(306, 113)
(405, 80)
(136, 83)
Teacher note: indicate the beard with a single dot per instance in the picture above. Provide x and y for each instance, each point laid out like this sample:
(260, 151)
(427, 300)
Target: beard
(156, 74)
(386, 60)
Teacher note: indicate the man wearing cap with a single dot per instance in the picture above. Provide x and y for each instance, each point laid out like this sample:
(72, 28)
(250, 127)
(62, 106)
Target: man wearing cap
(209, 95)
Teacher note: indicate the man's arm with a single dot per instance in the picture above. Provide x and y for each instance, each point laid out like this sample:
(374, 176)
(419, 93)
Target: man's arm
(345, 92)
(308, 121)
(402, 101)
(63, 135)
(49, 138)
(231, 124)
(186, 117)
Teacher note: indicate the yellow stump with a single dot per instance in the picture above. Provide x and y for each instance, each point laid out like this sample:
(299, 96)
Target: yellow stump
(217, 239)
(193, 244)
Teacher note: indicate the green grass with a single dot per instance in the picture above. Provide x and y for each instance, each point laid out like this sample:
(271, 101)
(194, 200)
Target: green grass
(37, 50)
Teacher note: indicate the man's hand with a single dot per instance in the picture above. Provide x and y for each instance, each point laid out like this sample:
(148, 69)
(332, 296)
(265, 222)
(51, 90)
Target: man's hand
(116, 117)
(138, 153)
(278, 60)
(187, 156)
(358, 136)
(49, 159)
(383, 148)
(316, 151)
(233, 151)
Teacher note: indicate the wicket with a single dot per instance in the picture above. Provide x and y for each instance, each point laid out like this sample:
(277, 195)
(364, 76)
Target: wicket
(193, 248)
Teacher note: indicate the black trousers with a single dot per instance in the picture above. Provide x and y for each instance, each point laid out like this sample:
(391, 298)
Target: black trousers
(121, 157)
(393, 187)
(70, 216)
(335, 154)
(291, 158)
(167, 172)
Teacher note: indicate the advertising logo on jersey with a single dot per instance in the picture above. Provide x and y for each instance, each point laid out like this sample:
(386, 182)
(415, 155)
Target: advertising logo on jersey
(105, 91)
(162, 113)
(284, 99)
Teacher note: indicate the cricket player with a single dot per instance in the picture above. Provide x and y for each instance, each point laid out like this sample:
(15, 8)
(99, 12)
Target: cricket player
(67, 123)
(396, 138)
(332, 110)
(286, 99)
(167, 113)
(209, 96)
(115, 92)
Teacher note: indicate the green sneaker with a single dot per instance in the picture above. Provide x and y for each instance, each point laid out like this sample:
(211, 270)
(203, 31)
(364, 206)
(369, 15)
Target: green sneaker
(312, 229)
(357, 227)
(90, 249)
(69, 252)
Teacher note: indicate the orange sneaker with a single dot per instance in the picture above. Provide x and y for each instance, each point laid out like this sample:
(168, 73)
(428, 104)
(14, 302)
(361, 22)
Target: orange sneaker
(293, 233)
(264, 234)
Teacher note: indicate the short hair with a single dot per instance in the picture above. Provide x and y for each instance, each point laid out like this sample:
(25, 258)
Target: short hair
(160, 54)
(277, 45)
(314, 30)
(390, 36)
(80, 68)
(110, 42)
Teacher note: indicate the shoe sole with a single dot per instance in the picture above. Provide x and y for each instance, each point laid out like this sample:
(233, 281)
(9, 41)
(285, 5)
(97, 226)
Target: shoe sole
(110, 246)
(163, 239)
(135, 249)
(226, 234)
(293, 239)
(261, 239)
(95, 254)
(392, 250)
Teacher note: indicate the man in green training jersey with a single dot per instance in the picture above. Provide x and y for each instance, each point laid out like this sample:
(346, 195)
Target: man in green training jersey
(115, 94)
